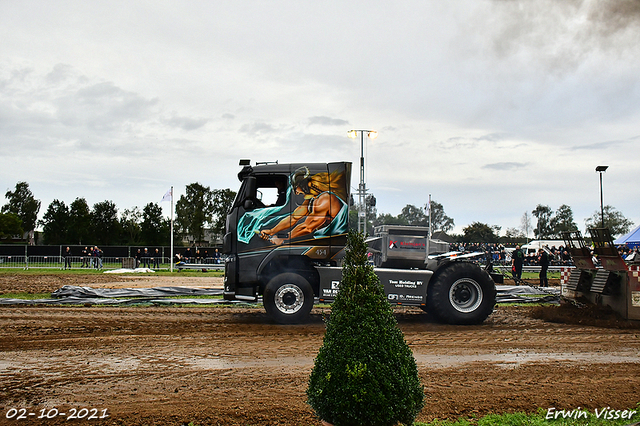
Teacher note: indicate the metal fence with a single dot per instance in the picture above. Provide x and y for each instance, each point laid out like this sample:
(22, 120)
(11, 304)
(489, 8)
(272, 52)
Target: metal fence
(80, 262)
(113, 257)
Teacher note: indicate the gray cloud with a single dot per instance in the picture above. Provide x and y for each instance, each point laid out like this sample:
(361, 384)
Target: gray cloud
(103, 106)
(327, 121)
(564, 34)
(602, 145)
(186, 123)
(505, 166)
(59, 73)
(258, 128)
(493, 137)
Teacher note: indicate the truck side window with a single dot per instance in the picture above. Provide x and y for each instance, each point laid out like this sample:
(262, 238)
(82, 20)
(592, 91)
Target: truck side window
(272, 190)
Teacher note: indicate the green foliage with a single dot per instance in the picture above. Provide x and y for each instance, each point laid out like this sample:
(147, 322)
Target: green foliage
(365, 373)
(130, 226)
(222, 201)
(10, 225)
(613, 219)
(439, 220)
(79, 221)
(155, 229)
(562, 221)
(479, 232)
(105, 224)
(414, 215)
(543, 229)
(194, 210)
(55, 223)
(23, 204)
(26, 296)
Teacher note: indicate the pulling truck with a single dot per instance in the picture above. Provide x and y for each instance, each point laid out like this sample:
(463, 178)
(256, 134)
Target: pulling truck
(285, 239)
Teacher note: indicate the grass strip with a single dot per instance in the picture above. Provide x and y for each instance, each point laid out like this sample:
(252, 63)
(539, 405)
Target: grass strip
(603, 416)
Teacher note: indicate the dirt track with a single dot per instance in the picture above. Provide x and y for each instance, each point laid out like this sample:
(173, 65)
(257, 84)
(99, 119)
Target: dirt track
(233, 366)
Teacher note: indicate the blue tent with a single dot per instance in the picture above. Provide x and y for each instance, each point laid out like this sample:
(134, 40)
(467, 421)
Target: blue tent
(632, 239)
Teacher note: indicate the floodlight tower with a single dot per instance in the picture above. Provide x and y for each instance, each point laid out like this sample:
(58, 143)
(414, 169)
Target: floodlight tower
(362, 211)
(601, 169)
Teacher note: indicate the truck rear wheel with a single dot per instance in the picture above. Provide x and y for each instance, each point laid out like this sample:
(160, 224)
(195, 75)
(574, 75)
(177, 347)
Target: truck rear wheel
(462, 293)
(288, 298)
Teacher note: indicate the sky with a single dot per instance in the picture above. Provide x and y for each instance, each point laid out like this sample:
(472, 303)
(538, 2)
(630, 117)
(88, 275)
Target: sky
(490, 107)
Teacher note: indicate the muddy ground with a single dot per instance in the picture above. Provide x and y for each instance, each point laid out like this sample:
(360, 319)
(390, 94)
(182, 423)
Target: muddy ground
(234, 366)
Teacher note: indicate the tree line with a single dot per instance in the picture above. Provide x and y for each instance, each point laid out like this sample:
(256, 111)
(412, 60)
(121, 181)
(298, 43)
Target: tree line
(203, 208)
(104, 224)
(549, 224)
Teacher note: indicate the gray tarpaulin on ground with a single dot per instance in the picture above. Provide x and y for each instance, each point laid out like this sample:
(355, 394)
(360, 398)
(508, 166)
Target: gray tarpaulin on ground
(75, 295)
(526, 294)
(97, 301)
(76, 291)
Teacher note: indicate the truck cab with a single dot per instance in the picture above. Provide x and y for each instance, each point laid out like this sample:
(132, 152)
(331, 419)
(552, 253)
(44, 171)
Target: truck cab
(286, 220)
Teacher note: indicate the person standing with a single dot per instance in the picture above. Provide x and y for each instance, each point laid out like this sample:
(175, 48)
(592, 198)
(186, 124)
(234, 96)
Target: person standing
(146, 258)
(97, 253)
(517, 260)
(543, 261)
(156, 259)
(92, 259)
(67, 258)
(85, 258)
(138, 258)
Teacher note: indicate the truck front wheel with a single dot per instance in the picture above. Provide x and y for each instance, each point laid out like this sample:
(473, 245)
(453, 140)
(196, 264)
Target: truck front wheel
(288, 298)
(462, 293)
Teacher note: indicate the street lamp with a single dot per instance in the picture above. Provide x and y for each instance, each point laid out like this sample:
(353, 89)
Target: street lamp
(601, 169)
(362, 211)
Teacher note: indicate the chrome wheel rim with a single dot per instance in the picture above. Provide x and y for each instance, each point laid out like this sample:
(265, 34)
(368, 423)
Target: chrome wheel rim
(465, 295)
(289, 298)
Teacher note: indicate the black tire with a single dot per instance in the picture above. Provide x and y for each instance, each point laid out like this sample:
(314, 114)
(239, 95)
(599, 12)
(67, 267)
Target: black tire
(462, 293)
(288, 298)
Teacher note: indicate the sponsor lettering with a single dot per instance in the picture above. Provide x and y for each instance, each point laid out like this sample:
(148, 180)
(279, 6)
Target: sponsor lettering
(405, 283)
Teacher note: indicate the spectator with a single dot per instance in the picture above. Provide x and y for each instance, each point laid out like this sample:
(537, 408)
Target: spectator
(97, 254)
(543, 261)
(517, 261)
(138, 258)
(146, 258)
(156, 259)
(85, 258)
(67, 258)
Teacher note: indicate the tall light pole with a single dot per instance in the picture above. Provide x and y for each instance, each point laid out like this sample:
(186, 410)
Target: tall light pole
(601, 169)
(362, 190)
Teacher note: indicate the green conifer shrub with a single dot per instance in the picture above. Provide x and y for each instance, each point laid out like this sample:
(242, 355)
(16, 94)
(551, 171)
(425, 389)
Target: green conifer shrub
(365, 373)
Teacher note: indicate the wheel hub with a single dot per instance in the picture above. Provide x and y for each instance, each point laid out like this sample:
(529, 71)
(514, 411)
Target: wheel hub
(465, 295)
(289, 298)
